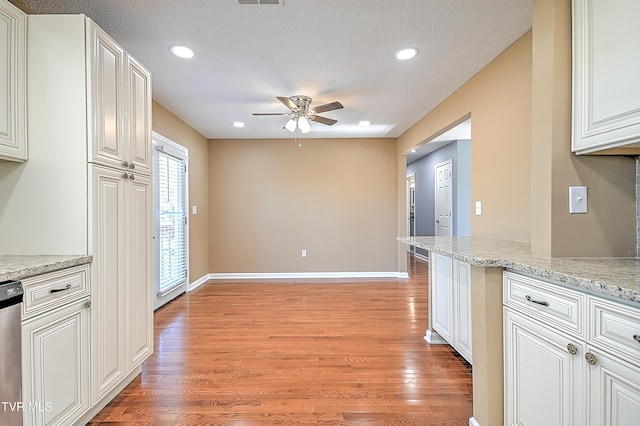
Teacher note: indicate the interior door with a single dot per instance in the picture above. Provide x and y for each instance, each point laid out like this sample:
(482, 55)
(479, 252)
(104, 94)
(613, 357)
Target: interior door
(171, 219)
(444, 198)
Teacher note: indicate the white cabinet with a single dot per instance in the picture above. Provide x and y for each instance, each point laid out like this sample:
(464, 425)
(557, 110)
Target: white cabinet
(570, 358)
(122, 327)
(120, 114)
(606, 66)
(13, 93)
(55, 350)
(93, 115)
(543, 379)
(450, 302)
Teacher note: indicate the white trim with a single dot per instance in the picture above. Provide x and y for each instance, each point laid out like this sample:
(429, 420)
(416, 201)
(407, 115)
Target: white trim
(473, 422)
(305, 275)
(403, 275)
(197, 283)
(421, 257)
(434, 338)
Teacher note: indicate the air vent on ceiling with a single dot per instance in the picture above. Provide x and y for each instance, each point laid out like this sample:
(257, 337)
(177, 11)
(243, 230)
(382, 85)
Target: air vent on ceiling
(262, 2)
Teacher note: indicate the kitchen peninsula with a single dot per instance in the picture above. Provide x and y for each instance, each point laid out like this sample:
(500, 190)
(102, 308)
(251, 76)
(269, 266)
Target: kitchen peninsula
(580, 316)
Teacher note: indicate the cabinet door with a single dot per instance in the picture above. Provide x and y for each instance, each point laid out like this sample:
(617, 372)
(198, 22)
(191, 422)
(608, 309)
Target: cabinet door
(543, 380)
(107, 280)
(105, 70)
(55, 366)
(13, 59)
(606, 66)
(614, 391)
(139, 116)
(462, 309)
(139, 298)
(442, 296)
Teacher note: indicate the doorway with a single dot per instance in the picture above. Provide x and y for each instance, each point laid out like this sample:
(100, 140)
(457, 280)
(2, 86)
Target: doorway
(170, 219)
(444, 198)
(411, 208)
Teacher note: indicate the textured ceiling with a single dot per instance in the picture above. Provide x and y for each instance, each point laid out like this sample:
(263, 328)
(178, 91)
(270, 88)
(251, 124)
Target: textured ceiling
(246, 55)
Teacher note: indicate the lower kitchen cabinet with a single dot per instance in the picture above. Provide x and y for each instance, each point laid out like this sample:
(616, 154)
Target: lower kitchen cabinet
(55, 352)
(543, 378)
(570, 359)
(450, 302)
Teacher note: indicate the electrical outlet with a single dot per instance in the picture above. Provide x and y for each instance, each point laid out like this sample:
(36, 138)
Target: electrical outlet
(194, 209)
(304, 253)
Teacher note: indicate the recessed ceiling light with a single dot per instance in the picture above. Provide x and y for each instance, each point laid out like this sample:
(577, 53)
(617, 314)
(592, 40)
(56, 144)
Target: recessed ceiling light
(405, 54)
(238, 124)
(364, 123)
(413, 150)
(182, 52)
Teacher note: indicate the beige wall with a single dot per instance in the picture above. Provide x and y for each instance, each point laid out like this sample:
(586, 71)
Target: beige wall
(498, 98)
(335, 198)
(170, 126)
(522, 167)
(609, 227)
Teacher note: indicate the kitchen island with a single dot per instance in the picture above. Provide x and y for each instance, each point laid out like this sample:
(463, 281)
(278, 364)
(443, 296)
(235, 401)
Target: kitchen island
(495, 268)
(615, 277)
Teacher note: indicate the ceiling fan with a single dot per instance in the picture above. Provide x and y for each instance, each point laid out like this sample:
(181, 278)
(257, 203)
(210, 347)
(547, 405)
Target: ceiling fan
(302, 112)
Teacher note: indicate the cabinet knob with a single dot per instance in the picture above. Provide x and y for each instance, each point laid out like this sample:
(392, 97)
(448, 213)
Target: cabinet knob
(636, 338)
(132, 166)
(125, 164)
(87, 304)
(591, 358)
(125, 175)
(131, 176)
(572, 349)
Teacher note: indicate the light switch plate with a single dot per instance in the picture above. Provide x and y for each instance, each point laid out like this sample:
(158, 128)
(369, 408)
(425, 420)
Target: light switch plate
(577, 199)
(478, 208)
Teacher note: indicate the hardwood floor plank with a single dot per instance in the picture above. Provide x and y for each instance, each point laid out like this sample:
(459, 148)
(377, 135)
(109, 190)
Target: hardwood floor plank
(297, 352)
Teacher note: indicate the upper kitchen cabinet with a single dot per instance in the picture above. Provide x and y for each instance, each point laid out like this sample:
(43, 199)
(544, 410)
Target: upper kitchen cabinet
(606, 77)
(121, 93)
(13, 93)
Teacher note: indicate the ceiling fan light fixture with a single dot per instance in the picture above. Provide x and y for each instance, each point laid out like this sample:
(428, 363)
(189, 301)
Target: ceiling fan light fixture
(291, 125)
(238, 124)
(303, 124)
(408, 53)
(182, 52)
(364, 123)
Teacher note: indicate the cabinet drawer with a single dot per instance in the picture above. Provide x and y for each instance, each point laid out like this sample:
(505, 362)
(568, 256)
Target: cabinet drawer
(549, 303)
(615, 328)
(48, 291)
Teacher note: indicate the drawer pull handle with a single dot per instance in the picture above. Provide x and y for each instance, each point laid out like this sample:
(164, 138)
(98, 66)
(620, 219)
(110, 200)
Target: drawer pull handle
(591, 358)
(543, 303)
(572, 349)
(636, 338)
(56, 290)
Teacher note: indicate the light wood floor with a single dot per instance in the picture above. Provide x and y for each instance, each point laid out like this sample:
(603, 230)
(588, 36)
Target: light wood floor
(297, 352)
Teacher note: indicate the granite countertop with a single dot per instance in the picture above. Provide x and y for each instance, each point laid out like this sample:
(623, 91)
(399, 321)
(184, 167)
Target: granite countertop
(612, 276)
(19, 267)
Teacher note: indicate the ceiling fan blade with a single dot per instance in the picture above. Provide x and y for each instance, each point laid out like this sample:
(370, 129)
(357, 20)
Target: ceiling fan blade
(328, 107)
(288, 103)
(323, 120)
(270, 113)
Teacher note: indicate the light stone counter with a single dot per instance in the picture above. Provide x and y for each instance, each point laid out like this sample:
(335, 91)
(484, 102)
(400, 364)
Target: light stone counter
(19, 267)
(616, 277)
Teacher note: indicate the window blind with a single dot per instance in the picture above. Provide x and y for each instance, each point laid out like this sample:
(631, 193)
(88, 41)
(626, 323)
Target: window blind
(172, 256)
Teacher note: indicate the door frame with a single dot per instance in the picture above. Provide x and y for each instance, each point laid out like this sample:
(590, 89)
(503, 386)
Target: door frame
(162, 143)
(449, 201)
(411, 177)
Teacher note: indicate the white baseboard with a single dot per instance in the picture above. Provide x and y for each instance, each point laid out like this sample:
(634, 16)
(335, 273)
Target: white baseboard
(197, 283)
(434, 338)
(305, 275)
(473, 422)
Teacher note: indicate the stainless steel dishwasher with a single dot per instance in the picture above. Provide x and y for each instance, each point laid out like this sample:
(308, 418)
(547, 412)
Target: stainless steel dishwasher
(11, 407)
